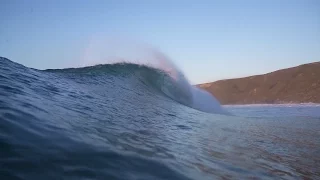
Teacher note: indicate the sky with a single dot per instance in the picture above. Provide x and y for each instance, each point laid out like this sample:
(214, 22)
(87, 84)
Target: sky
(207, 40)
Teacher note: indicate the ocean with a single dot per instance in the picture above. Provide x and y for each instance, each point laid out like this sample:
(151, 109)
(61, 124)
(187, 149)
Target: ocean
(131, 121)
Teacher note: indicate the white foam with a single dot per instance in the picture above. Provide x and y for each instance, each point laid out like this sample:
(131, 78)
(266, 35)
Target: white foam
(276, 105)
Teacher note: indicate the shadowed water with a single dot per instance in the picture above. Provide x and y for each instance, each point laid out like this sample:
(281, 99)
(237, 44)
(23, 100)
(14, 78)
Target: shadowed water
(133, 122)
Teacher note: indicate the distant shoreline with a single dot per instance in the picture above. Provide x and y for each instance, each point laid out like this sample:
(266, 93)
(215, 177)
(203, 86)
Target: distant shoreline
(295, 85)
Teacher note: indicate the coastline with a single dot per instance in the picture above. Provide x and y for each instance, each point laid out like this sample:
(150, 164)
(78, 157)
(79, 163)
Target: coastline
(295, 85)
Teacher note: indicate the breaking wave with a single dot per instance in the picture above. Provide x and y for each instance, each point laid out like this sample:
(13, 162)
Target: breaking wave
(172, 85)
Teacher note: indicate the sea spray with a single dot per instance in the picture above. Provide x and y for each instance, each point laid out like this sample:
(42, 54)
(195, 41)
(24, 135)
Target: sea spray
(130, 51)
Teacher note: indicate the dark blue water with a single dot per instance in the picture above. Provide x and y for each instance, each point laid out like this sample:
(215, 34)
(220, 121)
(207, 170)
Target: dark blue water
(126, 121)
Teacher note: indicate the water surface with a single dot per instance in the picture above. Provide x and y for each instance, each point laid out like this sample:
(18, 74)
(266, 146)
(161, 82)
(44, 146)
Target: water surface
(133, 122)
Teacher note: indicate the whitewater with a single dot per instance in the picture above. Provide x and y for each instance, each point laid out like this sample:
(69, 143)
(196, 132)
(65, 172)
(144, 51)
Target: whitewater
(126, 120)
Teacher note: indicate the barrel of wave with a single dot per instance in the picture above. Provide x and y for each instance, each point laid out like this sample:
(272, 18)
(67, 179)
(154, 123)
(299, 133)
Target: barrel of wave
(200, 99)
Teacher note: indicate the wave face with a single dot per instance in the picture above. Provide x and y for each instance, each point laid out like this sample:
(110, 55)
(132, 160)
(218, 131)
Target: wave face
(128, 121)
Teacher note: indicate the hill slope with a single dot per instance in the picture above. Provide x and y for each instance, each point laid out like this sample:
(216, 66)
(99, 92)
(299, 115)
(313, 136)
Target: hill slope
(299, 84)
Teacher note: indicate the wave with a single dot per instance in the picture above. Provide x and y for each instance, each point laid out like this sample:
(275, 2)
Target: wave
(176, 88)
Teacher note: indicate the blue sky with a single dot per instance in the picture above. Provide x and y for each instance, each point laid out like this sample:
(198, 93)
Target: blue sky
(207, 40)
